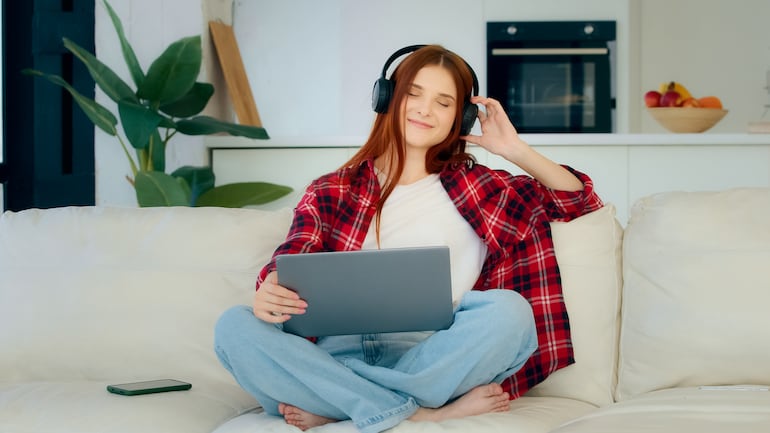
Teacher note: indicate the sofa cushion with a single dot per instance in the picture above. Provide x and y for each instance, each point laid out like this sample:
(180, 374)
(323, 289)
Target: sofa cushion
(696, 269)
(526, 415)
(118, 295)
(588, 251)
(737, 410)
(86, 407)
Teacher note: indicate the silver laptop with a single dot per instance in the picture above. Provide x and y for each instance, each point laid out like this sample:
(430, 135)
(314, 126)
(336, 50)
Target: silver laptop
(369, 291)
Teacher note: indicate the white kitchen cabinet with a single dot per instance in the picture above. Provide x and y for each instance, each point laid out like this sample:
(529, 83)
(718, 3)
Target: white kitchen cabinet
(294, 167)
(624, 167)
(607, 166)
(696, 168)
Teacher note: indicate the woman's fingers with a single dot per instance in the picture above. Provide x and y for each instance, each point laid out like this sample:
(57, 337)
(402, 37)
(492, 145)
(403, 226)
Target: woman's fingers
(274, 303)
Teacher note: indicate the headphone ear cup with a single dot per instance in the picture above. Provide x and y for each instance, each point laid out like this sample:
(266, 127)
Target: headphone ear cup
(470, 112)
(381, 94)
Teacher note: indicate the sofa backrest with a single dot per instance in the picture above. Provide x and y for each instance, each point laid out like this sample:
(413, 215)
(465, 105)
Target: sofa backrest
(588, 250)
(696, 292)
(90, 293)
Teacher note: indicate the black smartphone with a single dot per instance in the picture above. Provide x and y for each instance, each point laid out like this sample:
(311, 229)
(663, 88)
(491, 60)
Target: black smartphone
(149, 387)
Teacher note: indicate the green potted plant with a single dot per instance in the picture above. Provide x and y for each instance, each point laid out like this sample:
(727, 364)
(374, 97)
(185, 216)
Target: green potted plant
(165, 101)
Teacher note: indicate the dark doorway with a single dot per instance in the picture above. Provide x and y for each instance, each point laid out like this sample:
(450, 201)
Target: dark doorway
(48, 142)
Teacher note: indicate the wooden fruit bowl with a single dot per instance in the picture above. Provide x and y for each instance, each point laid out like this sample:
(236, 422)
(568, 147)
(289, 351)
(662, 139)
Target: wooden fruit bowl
(687, 119)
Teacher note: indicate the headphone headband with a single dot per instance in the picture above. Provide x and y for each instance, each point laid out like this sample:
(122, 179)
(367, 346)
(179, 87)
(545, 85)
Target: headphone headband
(397, 54)
(412, 48)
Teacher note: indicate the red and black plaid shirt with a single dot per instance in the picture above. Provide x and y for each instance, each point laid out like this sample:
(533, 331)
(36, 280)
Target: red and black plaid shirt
(511, 214)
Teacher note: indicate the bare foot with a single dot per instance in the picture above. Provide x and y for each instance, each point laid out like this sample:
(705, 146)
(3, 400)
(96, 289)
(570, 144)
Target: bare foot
(302, 419)
(479, 400)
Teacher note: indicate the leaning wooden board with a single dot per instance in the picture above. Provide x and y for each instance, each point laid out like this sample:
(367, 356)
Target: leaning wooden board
(235, 75)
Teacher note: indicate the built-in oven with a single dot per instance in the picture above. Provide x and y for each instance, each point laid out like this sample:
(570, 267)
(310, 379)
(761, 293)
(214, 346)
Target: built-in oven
(555, 76)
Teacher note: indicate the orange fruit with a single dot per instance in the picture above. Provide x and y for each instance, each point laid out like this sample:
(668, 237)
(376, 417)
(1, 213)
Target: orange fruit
(690, 102)
(710, 102)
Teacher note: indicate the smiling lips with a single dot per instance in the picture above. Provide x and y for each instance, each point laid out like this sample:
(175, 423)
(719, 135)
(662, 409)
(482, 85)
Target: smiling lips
(419, 124)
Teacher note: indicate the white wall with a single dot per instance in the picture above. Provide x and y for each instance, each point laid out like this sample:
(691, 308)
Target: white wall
(714, 47)
(312, 63)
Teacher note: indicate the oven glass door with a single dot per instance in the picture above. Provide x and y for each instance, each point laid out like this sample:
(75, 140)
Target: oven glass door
(553, 90)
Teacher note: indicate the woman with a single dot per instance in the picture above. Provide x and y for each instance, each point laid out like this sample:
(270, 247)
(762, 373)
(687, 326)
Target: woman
(413, 184)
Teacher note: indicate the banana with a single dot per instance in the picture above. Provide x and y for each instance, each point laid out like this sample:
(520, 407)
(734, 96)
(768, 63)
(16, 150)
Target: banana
(677, 87)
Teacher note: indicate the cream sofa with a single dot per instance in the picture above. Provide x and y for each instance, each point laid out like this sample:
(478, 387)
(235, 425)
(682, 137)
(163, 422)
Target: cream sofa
(670, 320)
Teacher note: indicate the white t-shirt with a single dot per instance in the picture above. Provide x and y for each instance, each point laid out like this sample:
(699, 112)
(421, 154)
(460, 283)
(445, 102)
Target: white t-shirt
(422, 214)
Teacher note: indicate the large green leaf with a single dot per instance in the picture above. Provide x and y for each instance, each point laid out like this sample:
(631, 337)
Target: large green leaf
(242, 194)
(205, 125)
(154, 188)
(173, 74)
(200, 179)
(139, 123)
(192, 103)
(128, 51)
(107, 80)
(167, 123)
(99, 115)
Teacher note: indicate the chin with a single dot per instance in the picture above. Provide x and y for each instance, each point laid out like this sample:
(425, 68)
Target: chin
(424, 145)
(423, 142)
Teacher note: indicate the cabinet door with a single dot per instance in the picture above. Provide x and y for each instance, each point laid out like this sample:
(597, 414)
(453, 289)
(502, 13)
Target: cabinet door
(294, 167)
(606, 165)
(654, 169)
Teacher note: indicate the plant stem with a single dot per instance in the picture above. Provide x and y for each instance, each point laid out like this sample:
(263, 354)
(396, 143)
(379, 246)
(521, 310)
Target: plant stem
(128, 155)
(143, 159)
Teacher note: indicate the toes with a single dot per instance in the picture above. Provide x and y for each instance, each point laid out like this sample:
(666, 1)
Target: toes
(493, 389)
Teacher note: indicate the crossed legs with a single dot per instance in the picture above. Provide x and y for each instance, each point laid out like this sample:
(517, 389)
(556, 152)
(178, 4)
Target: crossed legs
(450, 374)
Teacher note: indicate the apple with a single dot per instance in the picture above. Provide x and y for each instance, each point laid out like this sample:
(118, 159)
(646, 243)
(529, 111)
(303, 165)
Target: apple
(671, 98)
(652, 98)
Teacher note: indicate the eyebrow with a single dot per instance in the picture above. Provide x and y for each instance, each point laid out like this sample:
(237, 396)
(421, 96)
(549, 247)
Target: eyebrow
(445, 95)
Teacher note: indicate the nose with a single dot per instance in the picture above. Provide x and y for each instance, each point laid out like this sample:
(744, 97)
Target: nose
(423, 106)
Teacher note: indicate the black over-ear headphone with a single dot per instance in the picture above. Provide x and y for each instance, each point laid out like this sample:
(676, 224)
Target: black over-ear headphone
(383, 91)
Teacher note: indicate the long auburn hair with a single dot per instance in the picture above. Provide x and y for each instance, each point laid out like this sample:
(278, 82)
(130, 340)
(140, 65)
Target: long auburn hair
(387, 134)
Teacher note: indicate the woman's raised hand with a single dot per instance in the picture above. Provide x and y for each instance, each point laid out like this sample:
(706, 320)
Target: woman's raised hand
(498, 135)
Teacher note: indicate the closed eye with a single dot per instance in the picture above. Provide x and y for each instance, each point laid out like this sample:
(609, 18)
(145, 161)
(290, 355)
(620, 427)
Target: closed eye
(442, 99)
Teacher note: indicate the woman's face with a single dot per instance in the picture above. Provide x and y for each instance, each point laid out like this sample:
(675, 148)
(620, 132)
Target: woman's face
(429, 108)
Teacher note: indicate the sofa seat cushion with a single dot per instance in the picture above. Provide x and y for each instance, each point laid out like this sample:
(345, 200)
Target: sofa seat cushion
(87, 407)
(734, 410)
(527, 415)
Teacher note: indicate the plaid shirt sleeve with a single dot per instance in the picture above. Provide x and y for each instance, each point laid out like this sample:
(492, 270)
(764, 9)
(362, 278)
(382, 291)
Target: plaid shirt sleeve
(512, 215)
(304, 233)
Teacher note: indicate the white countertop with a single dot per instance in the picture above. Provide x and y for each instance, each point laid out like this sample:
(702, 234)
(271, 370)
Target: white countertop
(702, 139)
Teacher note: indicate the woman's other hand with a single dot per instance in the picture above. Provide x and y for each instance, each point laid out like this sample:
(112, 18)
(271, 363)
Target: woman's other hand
(498, 135)
(274, 303)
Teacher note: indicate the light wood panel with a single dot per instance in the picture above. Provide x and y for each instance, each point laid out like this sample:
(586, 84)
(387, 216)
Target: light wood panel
(235, 74)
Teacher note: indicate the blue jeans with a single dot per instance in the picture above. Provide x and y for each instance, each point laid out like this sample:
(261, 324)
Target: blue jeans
(378, 380)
